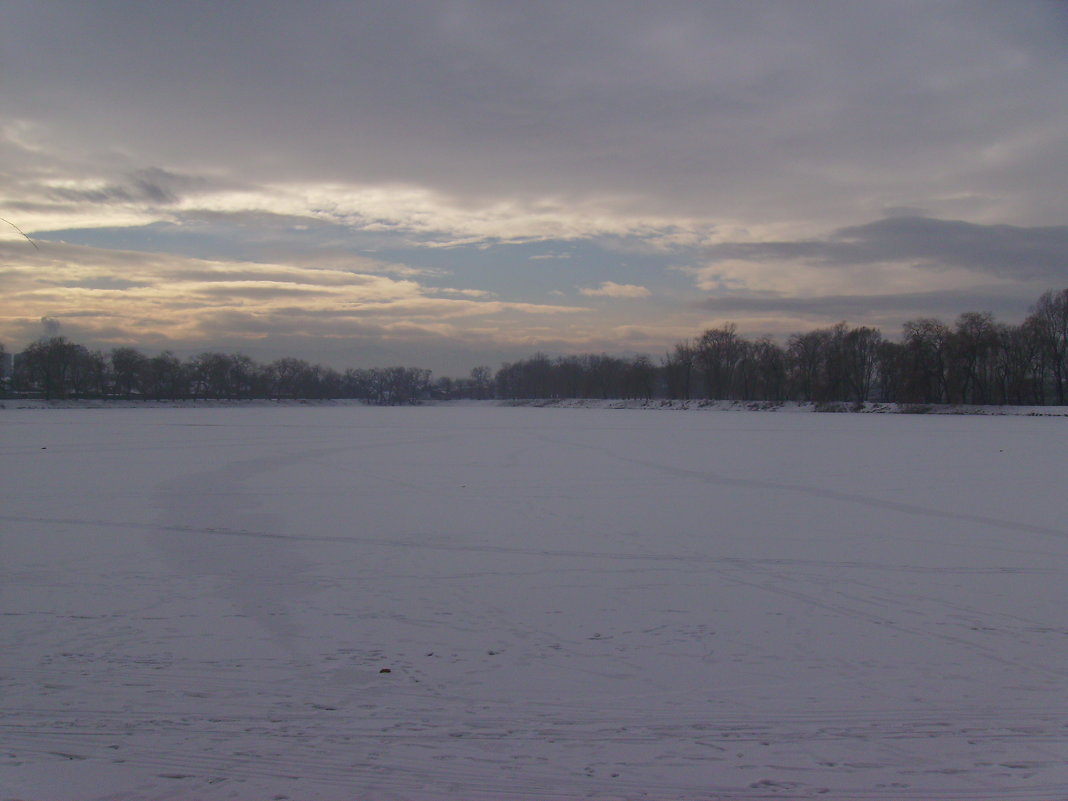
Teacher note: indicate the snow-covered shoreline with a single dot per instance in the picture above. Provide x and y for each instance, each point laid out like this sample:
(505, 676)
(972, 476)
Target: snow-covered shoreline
(785, 407)
(795, 407)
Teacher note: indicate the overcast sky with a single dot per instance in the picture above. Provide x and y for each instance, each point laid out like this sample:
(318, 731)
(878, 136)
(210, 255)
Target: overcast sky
(445, 184)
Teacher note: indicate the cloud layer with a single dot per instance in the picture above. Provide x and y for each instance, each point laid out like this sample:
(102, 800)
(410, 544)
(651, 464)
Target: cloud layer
(461, 171)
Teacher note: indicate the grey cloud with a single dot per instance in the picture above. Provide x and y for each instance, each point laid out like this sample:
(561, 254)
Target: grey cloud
(904, 211)
(1007, 251)
(152, 186)
(259, 292)
(56, 325)
(263, 221)
(1004, 250)
(310, 276)
(945, 304)
(28, 206)
(718, 108)
(377, 309)
(350, 343)
(304, 326)
(101, 282)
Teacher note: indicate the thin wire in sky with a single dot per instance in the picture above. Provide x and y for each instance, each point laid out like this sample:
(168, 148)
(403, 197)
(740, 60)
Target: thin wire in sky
(20, 231)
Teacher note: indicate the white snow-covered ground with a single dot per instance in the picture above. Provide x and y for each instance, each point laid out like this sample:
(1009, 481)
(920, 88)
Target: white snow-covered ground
(570, 603)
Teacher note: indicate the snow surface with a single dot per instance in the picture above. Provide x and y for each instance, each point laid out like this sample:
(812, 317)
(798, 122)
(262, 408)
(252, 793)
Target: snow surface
(571, 603)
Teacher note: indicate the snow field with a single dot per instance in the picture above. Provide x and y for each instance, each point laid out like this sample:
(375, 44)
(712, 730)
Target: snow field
(570, 603)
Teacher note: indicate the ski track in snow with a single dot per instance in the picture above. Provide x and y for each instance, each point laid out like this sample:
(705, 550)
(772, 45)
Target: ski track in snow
(199, 603)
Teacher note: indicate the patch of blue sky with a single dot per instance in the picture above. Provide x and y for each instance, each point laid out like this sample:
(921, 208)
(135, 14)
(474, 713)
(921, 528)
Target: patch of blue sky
(542, 271)
(162, 237)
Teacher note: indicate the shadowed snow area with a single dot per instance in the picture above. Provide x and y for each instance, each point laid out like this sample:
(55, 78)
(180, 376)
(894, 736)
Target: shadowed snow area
(504, 603)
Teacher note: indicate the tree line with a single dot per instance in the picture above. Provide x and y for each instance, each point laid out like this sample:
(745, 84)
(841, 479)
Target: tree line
(977, 360)
(55, 367)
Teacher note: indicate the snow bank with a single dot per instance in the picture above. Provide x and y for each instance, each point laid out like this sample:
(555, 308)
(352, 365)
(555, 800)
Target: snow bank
(793, 406)
(567, 403)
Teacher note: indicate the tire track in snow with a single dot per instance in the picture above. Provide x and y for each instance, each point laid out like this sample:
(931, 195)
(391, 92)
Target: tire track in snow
(304, 760)
(712, 477)
(414, 543)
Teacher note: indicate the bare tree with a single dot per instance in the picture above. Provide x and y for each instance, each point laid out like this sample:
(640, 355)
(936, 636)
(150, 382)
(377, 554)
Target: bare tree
(807, 353)
(971, 350)
(860, 356)
(288, 377)
(924, 363)
(639, 378)
(88, 374)
(5, 368)
(770, 361)
(46, 365)
(128, 370)
(718, 352)
(481, 382)
(679, 369)
(1051, 316)
(167, 377)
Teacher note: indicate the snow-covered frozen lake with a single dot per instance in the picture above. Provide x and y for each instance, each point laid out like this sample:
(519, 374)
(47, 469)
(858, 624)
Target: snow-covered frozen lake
(570, 603)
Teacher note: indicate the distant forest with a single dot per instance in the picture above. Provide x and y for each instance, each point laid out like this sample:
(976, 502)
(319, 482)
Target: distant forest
(977, 360)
